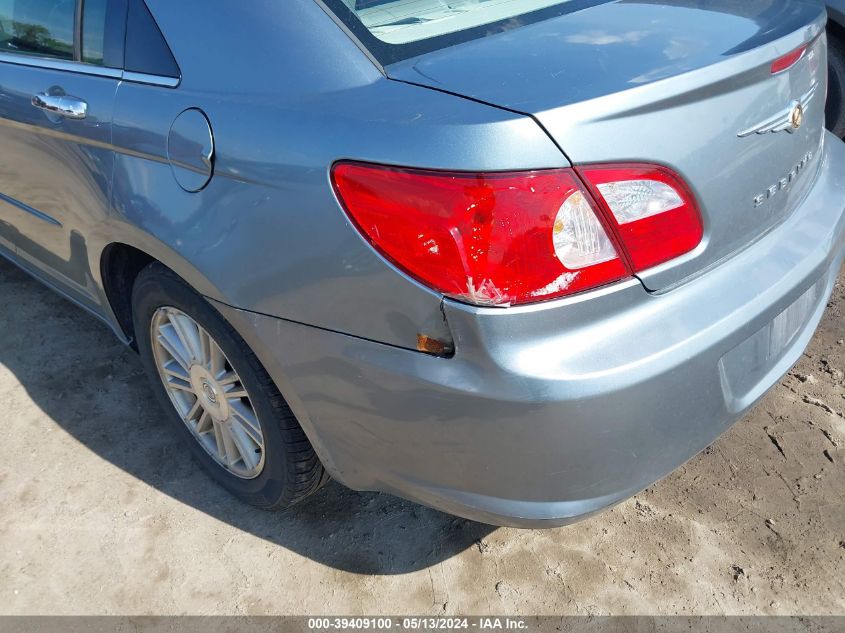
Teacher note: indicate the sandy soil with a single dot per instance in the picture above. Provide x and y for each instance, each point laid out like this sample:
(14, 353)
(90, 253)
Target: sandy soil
(103, 514)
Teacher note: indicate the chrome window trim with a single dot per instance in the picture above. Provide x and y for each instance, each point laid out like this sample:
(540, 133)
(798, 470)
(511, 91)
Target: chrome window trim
(60, 64)
(153, 80)
(89, 69)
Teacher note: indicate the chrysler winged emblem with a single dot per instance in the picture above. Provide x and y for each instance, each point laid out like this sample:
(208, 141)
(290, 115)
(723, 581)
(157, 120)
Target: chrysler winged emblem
(787, 120)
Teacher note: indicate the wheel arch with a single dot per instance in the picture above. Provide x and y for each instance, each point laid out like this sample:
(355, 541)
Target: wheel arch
(119, 267)
(121, 261)
(120, 264)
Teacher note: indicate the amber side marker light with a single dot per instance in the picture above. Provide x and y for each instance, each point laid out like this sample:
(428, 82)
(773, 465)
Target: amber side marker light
(433, 346)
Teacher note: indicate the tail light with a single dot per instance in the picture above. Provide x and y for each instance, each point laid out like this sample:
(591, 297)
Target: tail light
(655, 214)
(519, 237)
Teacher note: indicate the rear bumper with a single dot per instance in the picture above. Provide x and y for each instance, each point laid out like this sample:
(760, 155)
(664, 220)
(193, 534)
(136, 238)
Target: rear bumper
(549, 413)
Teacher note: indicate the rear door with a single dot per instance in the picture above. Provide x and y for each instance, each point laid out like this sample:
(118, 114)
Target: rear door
(59, 72)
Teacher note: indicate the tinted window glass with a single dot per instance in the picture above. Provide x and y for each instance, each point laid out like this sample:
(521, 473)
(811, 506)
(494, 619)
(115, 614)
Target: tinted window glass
(93, 31)
(37, 27)
(146, 50)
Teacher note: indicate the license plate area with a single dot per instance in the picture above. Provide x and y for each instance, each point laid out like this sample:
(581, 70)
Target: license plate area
(745, 369)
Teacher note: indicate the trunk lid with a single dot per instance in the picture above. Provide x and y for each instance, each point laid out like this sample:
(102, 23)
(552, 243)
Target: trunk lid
(684, 83)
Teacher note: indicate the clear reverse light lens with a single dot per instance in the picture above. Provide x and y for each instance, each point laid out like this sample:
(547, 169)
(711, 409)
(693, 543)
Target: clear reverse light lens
(579, 238)
(655, 214)
(632, 200)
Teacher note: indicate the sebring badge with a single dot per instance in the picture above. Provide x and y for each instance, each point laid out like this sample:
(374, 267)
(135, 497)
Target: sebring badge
(787, 180)
(787, 120)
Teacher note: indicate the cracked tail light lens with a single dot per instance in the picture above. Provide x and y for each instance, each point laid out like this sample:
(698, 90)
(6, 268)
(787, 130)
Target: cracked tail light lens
(656, 216)
(521, 237)
(485, 239)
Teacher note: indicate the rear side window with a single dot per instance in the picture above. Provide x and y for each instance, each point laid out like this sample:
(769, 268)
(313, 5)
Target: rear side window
(393, 30)
(146, 49)
(38, 27)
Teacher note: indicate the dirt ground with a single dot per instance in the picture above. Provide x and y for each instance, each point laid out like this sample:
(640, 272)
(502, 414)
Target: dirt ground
(102, 513)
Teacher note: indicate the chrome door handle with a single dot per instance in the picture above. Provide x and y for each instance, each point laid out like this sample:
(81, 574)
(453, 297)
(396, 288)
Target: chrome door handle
(64, 105)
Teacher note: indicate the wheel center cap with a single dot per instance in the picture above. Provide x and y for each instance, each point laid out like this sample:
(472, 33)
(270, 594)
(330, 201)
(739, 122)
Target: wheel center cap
(208, 390)
(210, 394)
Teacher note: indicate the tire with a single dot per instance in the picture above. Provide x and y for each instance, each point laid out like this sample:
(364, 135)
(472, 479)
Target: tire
(290, 469)
(836, 92)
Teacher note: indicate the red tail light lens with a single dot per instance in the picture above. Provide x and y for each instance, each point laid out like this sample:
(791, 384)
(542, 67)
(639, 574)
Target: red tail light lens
(656, 216)
(488, 239)
(788, 61)
(520, 237)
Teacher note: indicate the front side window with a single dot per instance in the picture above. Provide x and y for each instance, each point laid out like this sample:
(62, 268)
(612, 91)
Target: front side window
(398, 29)
(37, 27)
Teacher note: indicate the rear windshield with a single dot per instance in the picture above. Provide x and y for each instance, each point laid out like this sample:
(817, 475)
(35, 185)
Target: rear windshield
(398, 29)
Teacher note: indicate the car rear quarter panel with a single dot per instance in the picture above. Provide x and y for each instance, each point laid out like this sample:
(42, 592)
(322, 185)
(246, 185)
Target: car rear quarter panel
(287, 94)
(533, 424)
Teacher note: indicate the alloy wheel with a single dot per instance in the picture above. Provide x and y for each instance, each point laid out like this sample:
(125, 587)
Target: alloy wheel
(207, 392)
